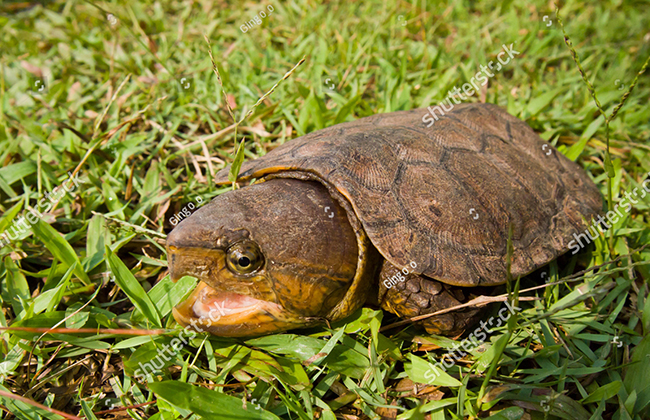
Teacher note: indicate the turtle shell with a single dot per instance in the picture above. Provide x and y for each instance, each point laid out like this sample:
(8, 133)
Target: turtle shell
(442, 198)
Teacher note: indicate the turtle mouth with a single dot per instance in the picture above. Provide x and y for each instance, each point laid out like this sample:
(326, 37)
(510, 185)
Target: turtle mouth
(230, 314)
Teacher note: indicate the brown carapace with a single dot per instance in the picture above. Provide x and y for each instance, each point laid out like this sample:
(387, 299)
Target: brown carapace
(382, 209)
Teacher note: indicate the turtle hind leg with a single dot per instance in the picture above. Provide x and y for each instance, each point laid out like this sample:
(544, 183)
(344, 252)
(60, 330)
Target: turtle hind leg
(410, 295)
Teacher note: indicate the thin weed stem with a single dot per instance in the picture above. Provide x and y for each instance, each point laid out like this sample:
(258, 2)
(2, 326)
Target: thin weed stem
(239, 154)
(609, 168)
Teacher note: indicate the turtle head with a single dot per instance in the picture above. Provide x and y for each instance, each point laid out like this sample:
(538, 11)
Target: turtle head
(270, 257)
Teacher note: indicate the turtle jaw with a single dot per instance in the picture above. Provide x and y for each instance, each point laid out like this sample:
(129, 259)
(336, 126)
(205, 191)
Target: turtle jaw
(234, 315)
(221, 306)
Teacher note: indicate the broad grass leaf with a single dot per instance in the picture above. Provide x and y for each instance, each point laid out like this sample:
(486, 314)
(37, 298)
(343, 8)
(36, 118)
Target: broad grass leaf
(375, 368)
(9, 216)
(151, 185)
(510, 413)
(311, 114)
(606, 392)
(77, 320)
(423, 372)
(385, 346)
(347, 361)
(342, 357)
(593, 127)
(152, 347)
(60, 248)
(542, 101)
(117, 245)
(90, 342)
(232, 355)
(298, 346)
(260, 364)
(132, 288)
(17, 171)
(417, 412)
(133, 342)
(580, 293)
(96, 238)
(629, 403)
(636, 376)
(52, 275)
(292, 373)
(346, 109)
(44, 320)
(567, 408)
(347, 357)
(327, 413)
(576, 150)
(158, 348)
(294, 123)
(164, 415)
(360, 321)
(12, 359)
(7, 189)
(88, 412)
(49, 299)
(237, 162)
(166, 294)
(112, 201)
(329, 346)
(208, 403)
(15, 289)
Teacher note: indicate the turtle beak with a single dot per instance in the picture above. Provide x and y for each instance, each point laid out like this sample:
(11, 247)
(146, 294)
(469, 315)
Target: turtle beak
(231, 314)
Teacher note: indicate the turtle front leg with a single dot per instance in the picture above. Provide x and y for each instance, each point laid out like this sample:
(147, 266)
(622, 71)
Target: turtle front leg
(410, 295)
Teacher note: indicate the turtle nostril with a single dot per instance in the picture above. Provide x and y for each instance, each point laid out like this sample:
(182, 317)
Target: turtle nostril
(244, 261)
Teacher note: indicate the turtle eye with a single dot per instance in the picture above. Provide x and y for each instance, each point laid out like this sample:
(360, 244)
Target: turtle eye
(244, 258)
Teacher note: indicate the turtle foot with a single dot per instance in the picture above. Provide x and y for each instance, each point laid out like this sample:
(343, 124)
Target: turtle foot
(411, 295)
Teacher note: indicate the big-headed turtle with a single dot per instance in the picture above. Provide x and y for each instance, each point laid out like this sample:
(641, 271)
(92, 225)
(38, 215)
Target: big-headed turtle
(339, 214)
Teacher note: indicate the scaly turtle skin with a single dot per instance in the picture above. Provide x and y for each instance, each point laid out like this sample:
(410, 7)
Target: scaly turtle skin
(337, 216)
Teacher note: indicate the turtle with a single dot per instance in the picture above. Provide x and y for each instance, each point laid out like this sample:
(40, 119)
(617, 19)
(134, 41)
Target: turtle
(384, 210)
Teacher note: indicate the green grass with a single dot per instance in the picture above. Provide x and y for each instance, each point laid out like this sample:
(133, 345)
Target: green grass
(115, 110)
